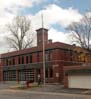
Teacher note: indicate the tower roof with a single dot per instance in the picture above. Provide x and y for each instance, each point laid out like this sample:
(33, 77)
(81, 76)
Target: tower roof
(42, 29)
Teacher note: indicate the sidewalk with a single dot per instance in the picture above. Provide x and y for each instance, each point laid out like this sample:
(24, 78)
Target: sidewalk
(58, 89)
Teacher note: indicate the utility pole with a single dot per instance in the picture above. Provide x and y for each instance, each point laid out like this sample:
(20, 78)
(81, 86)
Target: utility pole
(43, 48)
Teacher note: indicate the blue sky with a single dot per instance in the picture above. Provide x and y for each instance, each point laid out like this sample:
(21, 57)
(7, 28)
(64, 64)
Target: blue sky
(82, 5)
(58, 14)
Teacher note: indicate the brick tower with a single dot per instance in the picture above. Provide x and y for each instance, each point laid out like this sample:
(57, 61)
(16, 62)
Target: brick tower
(40, 36)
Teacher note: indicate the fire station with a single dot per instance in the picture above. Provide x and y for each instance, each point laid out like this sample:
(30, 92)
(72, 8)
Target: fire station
(26, 64)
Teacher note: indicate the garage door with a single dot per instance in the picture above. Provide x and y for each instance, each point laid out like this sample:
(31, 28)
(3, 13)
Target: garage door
(79, 81)
(25, 75)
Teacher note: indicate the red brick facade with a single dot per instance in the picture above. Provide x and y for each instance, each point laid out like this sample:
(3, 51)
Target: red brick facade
(28, 63)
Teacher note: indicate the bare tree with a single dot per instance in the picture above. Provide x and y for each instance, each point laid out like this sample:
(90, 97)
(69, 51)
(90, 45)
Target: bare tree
(21, 37)
(81, 31)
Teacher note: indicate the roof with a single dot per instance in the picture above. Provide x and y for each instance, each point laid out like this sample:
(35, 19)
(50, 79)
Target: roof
(38, 48)
(41, 29)
(82, 69)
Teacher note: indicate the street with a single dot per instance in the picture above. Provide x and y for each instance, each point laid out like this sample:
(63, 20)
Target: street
(47, 92)
(19, 94)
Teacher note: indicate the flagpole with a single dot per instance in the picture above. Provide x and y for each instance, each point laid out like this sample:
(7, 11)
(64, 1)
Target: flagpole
(43, 49)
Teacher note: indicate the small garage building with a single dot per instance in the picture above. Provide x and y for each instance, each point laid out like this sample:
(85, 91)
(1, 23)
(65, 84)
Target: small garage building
(77, 77)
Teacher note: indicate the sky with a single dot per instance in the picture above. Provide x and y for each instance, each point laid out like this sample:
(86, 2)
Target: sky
(57, 15)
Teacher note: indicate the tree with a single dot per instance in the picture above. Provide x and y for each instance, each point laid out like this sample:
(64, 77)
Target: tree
(20, 35)
(81, 31)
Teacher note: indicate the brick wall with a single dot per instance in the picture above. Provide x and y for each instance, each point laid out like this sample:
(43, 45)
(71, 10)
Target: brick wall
(57, 52)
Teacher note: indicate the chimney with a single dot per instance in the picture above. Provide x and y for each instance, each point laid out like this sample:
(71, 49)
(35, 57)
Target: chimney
(49, 41)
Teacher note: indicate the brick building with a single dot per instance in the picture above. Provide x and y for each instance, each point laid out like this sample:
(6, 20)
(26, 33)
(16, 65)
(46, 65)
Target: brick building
(28, 63)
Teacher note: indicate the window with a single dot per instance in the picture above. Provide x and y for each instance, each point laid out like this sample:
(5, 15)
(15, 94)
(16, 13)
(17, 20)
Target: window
(30, 58)
(51, 72)
(37, 57)
(46, 56)
(3, 61)
(46, 72)
(13, 61)
(70, 55)
(71, 52)
(9, 61)
(50, 55)
(27, 59)
(19, 60)
(22, 59)
(6, 62)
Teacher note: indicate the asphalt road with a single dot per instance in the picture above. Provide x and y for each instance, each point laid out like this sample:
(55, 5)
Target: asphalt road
(6, 93)
(14, 94)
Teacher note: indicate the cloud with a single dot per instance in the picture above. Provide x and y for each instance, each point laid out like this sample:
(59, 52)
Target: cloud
(58, 36)
(9, 9)
(23, 3)
(52, 14)
(3, 45)
(55, 14)
(16, 6)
